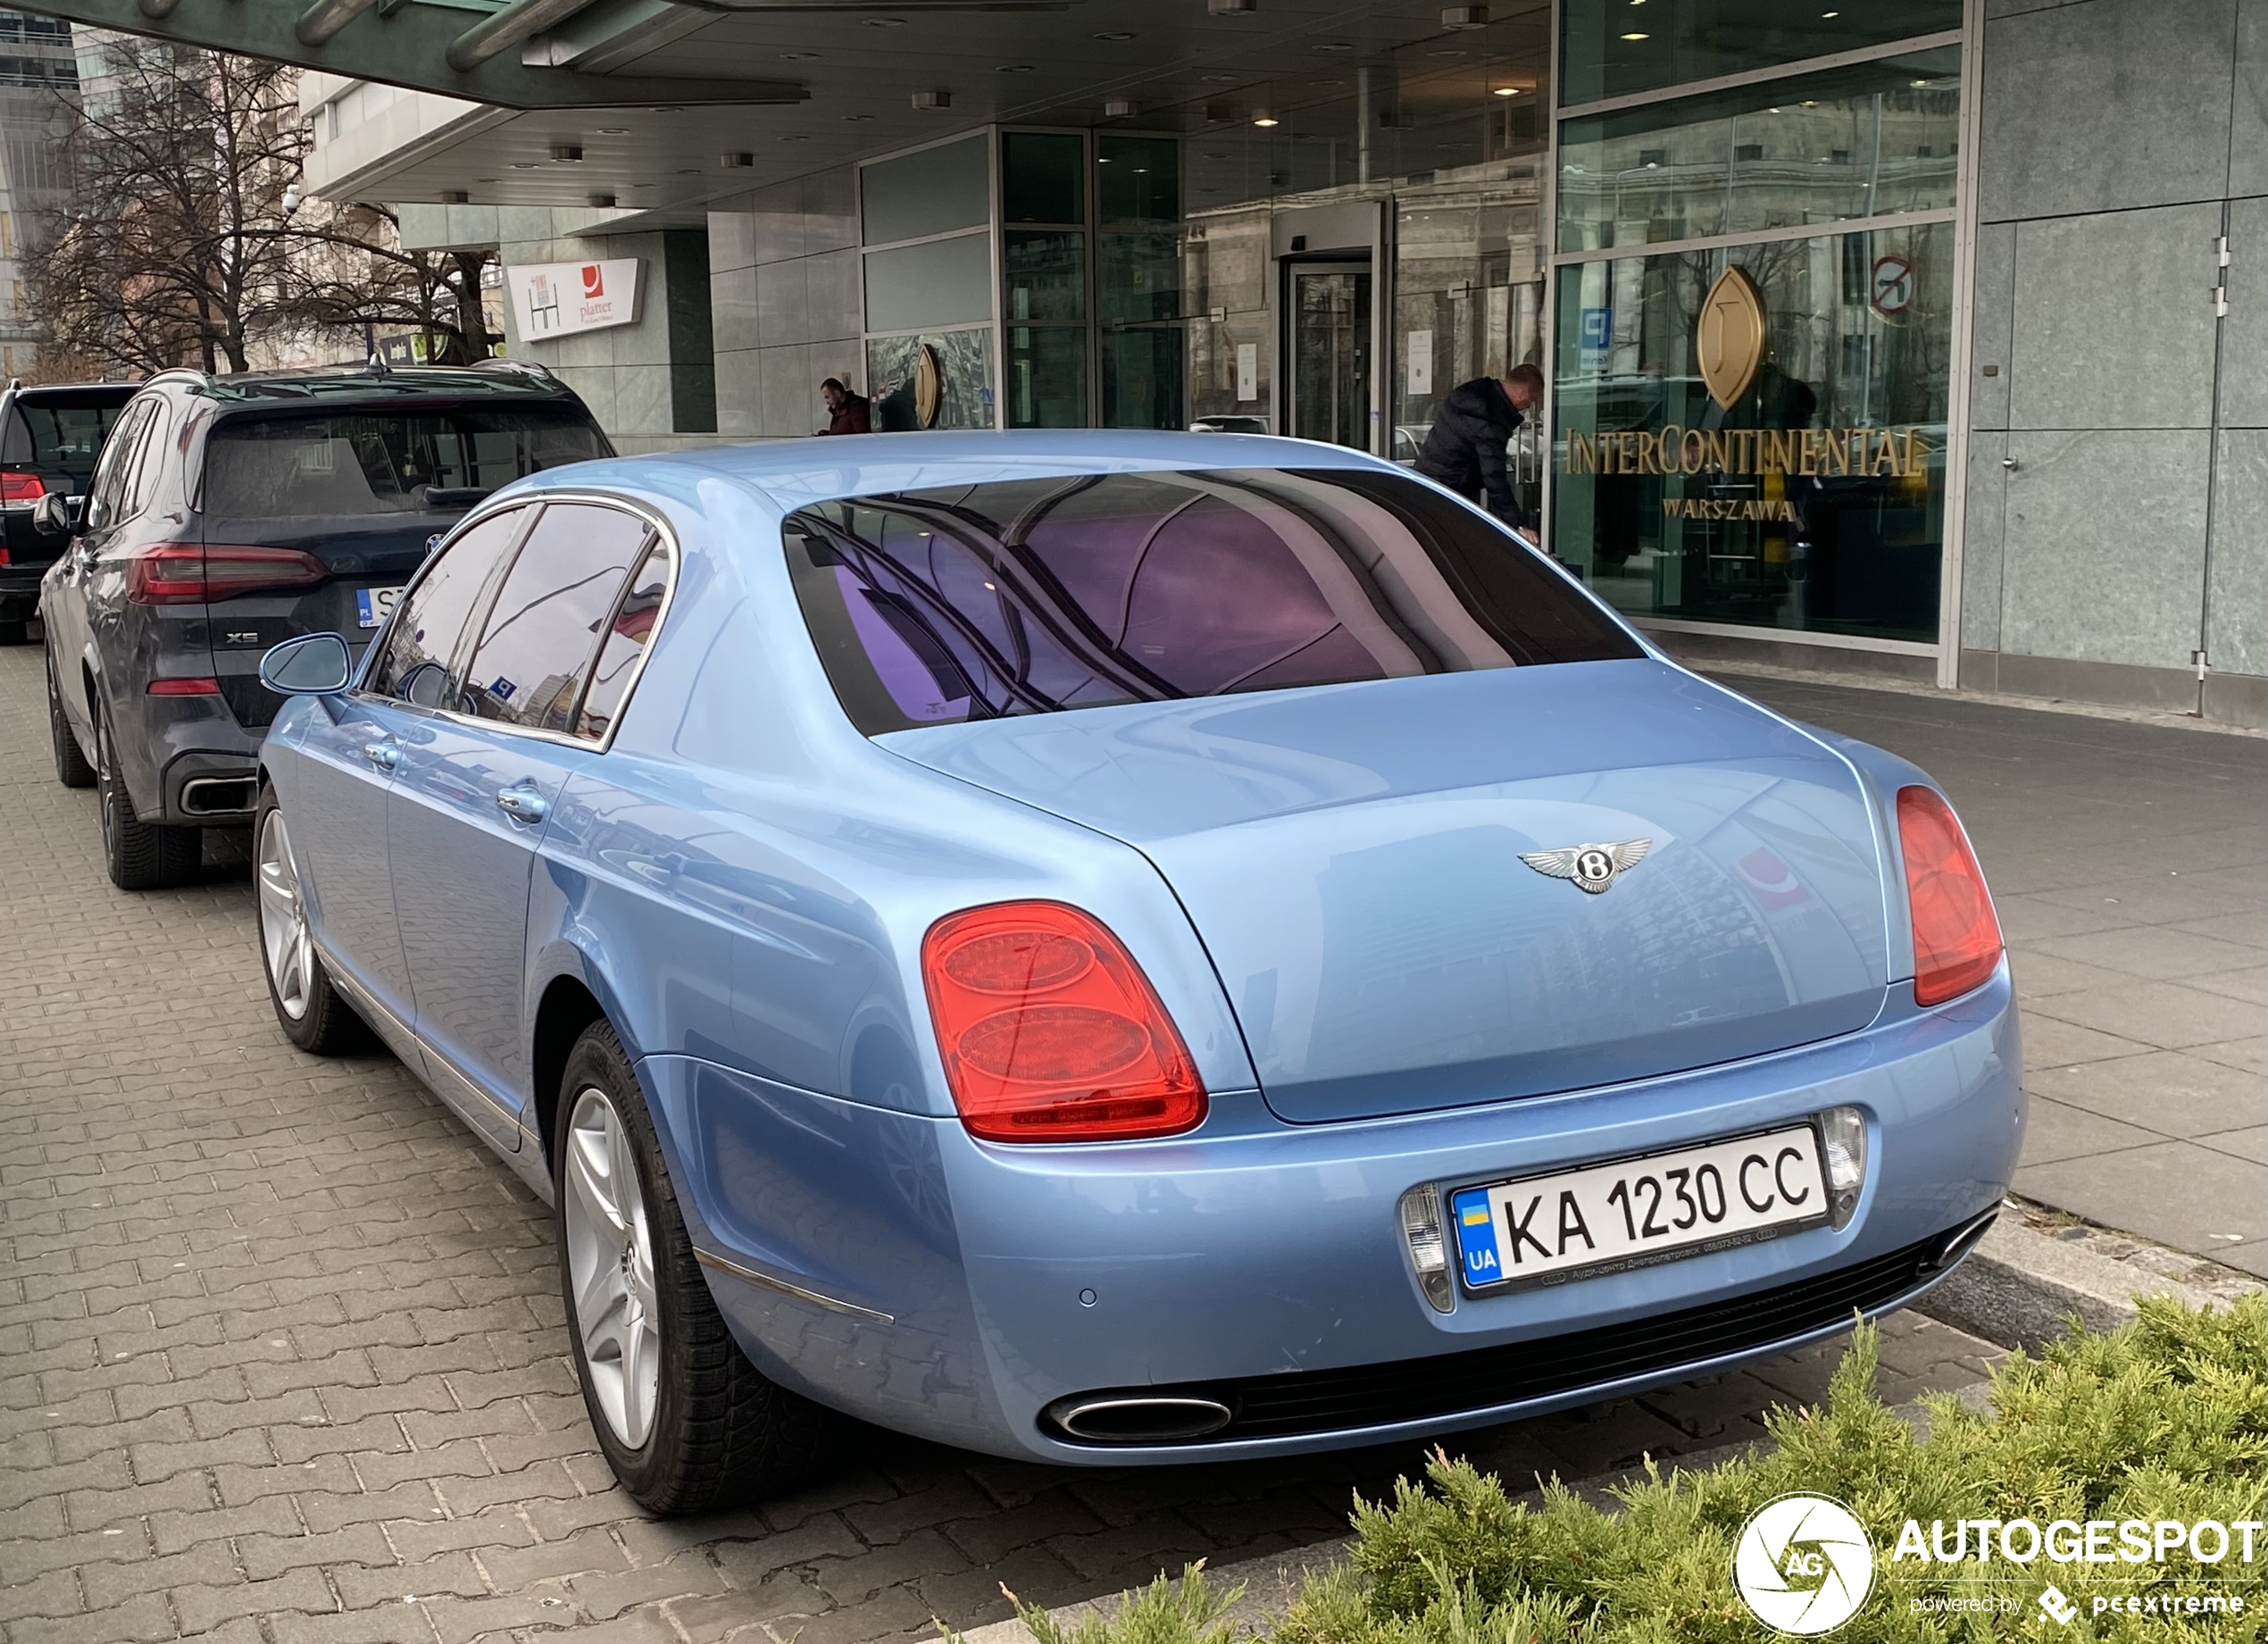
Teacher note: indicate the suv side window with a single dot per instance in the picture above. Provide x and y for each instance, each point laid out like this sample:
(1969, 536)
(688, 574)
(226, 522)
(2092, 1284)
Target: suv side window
(422, 640)
(549, 614)
(117, 461)
(139, 482)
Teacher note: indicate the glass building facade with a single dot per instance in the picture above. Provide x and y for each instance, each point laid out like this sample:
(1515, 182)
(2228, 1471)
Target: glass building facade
(1802, 483)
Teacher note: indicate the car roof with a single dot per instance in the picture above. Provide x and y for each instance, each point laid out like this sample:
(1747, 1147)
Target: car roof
(359, 385)
(795, 473)
(76, 392)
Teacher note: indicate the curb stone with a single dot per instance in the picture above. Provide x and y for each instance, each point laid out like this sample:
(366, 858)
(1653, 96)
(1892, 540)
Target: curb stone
(1271, 1581)
(2026, 1277)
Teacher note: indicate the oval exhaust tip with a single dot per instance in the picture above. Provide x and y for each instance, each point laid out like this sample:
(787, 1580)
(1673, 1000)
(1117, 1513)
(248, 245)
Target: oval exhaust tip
(1133, 1418)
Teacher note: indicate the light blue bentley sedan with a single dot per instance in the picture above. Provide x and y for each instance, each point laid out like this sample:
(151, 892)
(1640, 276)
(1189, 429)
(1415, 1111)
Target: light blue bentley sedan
(1123, 948)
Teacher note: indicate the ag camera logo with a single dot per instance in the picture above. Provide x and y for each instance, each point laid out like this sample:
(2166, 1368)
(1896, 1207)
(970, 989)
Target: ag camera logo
(1803, 1564)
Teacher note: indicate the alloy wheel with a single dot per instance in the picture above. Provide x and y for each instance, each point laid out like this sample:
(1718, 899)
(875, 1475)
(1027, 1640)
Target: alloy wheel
(610, 1268)
(283, 938)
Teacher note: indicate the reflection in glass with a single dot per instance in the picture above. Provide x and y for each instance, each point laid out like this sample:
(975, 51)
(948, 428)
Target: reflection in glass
(1141, 277)
(1041, 596)
(528, 667)
(632, 625)
(1137, 180)
(1330, 357)
(1046, 376)
(1142, 378)
(1863, 141)
(1816, 500)
(1045, 271)
(1610, 50)
(1042, 177)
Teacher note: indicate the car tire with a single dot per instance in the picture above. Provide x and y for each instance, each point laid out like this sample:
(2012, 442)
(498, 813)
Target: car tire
(710, 1430)
(71, 769)
(140, 856)
(312, 1012)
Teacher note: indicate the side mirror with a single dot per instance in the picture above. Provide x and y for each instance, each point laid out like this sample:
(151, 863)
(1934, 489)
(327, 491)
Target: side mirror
(308, 665)
(53, 516)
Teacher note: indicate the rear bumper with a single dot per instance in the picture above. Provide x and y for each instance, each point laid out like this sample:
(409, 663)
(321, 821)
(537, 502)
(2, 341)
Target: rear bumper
(196, 762)
(954, 1290)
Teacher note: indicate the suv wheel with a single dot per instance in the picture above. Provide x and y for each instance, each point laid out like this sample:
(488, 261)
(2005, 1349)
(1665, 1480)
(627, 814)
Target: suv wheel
(309, 1009)
(687, 1422)
(140, 856)
(71, 769)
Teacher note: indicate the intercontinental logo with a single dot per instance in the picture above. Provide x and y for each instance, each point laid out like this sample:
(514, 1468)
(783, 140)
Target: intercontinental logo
(1729, 342)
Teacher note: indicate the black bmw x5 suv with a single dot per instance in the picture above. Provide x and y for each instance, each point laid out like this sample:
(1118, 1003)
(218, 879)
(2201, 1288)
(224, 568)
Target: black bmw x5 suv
(227, 514)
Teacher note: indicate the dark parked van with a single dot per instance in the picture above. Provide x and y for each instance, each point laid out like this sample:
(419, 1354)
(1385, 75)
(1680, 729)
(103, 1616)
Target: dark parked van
(227, 514)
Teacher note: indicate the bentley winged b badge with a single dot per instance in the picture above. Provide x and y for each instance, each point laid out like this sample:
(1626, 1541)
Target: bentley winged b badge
(1593, 867)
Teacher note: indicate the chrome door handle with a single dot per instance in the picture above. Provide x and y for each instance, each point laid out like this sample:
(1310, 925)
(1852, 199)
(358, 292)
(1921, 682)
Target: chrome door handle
(522, 805)
(381, 755)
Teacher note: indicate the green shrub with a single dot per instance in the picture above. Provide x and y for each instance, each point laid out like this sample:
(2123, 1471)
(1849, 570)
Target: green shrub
(2167, 1418)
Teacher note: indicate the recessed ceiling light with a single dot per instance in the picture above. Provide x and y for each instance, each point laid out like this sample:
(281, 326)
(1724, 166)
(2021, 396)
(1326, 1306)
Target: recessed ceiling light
(1264, 120)
(523, 165)
(1830, 14)
(1336, 45)
(1507, 91)
(794, 136)
(1448, 51)
(1637, 37)
(1014, 68)
(857, 117)
(1921, 83)
(1115, 34)
(1326, 83)
(614, 130)
(886, 22)
(1219, 79)
(799, 57)
(487, 180)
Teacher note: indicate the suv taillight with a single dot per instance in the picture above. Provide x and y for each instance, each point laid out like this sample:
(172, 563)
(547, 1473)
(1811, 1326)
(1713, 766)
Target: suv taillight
(189, 574)
(1049, 1030)
(20, 489)
(1956, 935)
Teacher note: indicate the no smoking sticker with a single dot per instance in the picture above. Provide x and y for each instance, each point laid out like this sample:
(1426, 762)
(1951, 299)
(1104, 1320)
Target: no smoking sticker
(1891, 289)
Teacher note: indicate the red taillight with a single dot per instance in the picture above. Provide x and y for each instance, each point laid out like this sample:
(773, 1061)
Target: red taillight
(1050, 1032)
(189, 574)
(1956, 935)
(185, 688)
(20, 489)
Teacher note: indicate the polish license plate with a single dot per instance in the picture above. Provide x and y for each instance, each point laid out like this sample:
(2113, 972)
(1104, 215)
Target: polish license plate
(1640, 1211)
(373, 605)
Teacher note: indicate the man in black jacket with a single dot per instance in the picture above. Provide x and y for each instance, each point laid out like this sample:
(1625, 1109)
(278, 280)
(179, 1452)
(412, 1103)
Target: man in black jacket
(1466, 450)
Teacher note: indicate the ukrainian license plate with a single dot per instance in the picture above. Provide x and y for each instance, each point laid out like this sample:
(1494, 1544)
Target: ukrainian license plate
(1641, 1211)
(373, 605)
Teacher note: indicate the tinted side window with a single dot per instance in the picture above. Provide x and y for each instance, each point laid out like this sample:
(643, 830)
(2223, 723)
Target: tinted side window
(414, 665)
(626, 638)
(117, 461)
(549, 616)
(139, 482)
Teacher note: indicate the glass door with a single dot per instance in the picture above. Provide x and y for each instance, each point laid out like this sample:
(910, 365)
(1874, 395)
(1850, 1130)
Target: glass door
(1329, 309)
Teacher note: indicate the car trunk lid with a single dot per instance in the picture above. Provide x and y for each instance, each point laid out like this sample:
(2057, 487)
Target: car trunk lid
(1352, 857)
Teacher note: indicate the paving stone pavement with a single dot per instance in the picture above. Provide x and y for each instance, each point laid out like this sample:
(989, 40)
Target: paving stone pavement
(2130, 864)
(281, 1352)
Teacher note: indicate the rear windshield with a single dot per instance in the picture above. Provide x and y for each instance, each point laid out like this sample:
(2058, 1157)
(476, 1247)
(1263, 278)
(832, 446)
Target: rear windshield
(384, 462)
(57, 439)
(1038, 596)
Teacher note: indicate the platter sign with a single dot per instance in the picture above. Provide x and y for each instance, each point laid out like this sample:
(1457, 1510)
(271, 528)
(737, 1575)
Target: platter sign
(559, 299)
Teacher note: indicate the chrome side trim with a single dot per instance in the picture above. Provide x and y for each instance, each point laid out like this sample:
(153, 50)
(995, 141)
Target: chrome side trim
(711, 1259)
(398, 1034)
